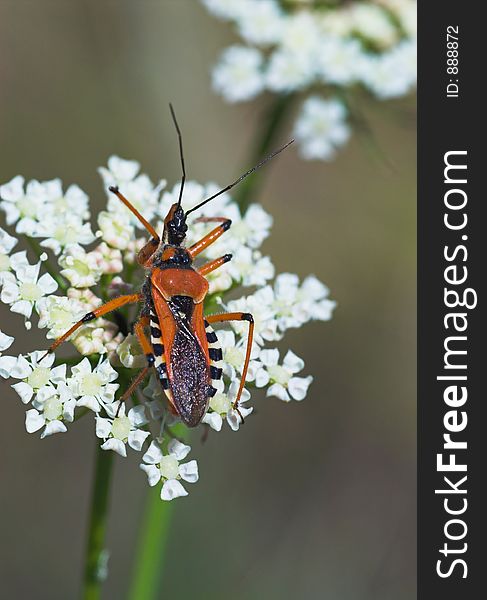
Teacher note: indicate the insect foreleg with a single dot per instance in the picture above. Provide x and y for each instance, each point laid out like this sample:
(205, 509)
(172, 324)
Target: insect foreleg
(94, 314)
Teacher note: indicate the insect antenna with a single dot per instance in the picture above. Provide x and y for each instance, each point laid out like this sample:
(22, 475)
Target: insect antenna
(229, 187)
(180, 138)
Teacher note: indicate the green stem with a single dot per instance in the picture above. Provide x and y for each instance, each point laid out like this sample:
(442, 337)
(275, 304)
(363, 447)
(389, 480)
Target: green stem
(151, 548)
(95, 558)
(271, 124)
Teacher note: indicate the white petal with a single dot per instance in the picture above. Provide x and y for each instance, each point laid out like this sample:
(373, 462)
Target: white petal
(214, 420)
(10, 291)
(269, 358)
(103, 427)
(116, 445)
(137, 416)
(22, 307)
(53, 427)
(90, 402)
(21, 369)
(261, 378)
(58, 374)
(189, 471)
(34, 420)
(178, 449)
(153, 455)
(172, 489)
(5, 341)
(7, 364)
(137, 438)
(298, 386)
(24, 390)
(292, 362)
(276, 389)
(47, 284)
(68, 410)
(152, 472)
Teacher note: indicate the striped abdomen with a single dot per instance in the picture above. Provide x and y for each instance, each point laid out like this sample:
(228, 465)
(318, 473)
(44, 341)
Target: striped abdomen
(187, 356)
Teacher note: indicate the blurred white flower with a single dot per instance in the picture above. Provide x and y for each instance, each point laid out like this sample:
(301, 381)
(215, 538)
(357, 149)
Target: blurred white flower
(391, 74)
(304, 46)
(238, 76)
(122, 429)
(167, 467)
(260, 21)
(321, 128)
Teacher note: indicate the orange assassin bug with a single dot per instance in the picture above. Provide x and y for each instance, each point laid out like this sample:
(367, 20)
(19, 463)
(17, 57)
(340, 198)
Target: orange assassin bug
(182, 347)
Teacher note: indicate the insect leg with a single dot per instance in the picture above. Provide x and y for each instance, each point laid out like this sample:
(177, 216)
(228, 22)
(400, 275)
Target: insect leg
(97, 312)
(210, 237)
(238, 316)
(144, 342)
(134, 385)
(114, 189)
(214, 264)
(147, 349)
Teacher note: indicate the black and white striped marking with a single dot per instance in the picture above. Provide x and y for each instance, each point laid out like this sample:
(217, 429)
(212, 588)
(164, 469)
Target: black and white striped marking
(158, 349)
(216, 359)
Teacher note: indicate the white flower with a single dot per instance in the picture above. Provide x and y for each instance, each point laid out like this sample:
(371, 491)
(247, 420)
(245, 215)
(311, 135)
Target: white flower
(372, 22)
(22, 208)
(116, 228)
(53, 407)
(130, 353)
(123, 429)
(93, 387)
(166, 467)
(80, 268)
(58, 314)
(138, 189)
(59, 205)
(64, 232)
(261, 21)
(259, 305)
(238, 76)
(34, 372)
(221, 407)
(288, 71)
(283, 383)
(321, 128)
(24, 290)
(108, 260)
(391, 74)
(226, 9)
(338, 59)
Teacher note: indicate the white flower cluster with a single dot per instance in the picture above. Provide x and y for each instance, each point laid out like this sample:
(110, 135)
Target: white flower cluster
(295, 47)
(57, 290)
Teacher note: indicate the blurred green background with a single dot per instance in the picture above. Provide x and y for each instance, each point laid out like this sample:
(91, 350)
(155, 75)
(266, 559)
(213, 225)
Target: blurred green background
(310, 500)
